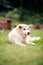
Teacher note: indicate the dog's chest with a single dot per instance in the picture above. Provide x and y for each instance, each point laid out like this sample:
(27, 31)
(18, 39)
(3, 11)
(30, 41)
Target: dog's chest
(23, 39)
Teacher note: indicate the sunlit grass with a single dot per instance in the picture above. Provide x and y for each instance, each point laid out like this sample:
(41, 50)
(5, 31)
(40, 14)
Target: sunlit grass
(11, 54)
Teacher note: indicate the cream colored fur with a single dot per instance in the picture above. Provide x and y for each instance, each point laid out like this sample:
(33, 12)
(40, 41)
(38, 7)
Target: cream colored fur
(19, 35)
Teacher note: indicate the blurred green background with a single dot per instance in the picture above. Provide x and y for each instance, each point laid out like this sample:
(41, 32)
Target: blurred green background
(19, 11)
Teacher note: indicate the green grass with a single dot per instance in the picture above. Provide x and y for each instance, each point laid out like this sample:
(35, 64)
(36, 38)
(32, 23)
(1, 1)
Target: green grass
(11, 54)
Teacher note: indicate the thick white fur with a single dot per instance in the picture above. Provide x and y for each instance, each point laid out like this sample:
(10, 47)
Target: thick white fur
(19, 36)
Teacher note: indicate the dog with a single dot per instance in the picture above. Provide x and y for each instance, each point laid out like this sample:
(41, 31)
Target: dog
(21, 34)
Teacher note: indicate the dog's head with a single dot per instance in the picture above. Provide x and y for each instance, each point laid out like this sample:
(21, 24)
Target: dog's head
(23, 29)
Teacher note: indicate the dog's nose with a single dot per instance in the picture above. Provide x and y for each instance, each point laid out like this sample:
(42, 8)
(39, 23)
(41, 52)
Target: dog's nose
(28, 33)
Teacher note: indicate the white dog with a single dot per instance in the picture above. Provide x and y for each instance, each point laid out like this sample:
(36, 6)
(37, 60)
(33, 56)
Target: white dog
(20, 35)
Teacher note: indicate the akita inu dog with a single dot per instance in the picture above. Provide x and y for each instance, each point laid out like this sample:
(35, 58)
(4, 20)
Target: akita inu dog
(21, 34)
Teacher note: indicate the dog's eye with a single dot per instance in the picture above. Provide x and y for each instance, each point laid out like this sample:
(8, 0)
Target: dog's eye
(24, 29)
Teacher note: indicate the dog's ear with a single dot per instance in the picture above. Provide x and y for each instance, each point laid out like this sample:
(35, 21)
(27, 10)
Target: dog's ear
(31, 25)
(20, 27)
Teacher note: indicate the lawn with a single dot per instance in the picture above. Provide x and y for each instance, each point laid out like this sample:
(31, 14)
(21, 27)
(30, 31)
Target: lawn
(12, 54)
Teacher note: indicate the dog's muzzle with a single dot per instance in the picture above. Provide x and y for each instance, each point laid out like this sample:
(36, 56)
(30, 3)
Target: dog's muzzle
(28, 33)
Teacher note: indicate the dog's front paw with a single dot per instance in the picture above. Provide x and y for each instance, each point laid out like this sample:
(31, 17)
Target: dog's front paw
(35, 38)
(22, 44)
(33, 43)
(38, 38)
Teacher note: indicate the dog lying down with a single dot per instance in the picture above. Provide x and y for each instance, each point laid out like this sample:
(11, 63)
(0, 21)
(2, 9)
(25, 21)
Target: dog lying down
(21, 34)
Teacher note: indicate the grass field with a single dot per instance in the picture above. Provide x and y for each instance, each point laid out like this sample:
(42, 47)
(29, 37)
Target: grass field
(11, 54)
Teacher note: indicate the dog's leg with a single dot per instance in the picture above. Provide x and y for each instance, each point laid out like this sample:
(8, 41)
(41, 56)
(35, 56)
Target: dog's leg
(35, 38)
(30, 43)
(29, 40)
(19, 43)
